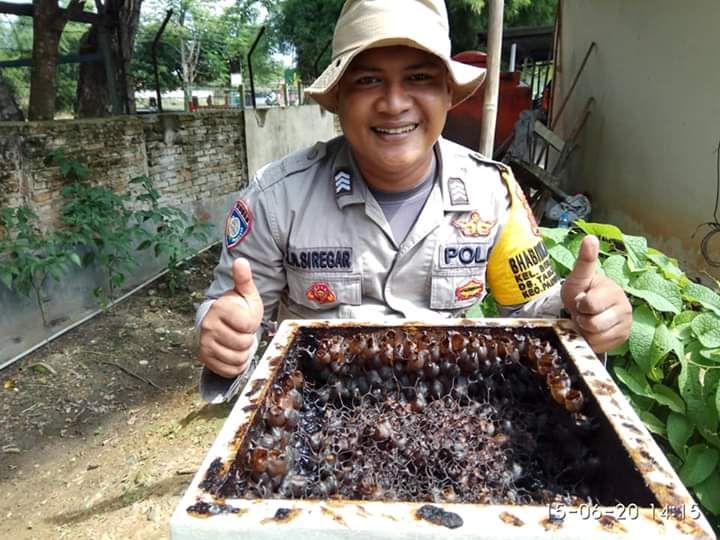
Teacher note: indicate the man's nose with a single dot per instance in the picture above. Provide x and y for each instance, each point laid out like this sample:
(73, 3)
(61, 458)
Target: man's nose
(395, 99)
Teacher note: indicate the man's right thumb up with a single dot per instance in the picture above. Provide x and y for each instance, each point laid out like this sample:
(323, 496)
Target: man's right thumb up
(245, 287)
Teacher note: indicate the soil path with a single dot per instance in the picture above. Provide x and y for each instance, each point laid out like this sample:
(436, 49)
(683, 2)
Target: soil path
(103, 428)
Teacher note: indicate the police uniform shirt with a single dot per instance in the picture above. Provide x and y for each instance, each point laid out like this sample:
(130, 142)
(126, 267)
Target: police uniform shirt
(319, 244)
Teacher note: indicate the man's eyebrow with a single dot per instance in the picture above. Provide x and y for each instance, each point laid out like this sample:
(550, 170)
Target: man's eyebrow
(423, 65)
(361, 67)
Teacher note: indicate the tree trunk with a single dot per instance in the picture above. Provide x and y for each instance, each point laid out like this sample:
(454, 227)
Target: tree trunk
(93, 94)
(9, 109)
(48, 24)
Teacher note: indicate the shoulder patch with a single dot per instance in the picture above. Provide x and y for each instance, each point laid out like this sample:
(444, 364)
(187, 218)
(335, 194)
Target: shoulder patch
(238, 224)
(343, 182)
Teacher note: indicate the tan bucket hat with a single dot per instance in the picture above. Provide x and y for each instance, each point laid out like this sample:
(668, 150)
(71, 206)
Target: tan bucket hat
(366, 24)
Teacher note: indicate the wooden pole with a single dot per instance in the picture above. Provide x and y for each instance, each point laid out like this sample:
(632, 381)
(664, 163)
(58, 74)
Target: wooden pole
(492, 80)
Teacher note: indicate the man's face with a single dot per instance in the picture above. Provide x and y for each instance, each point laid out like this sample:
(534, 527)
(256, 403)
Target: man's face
(392, 104)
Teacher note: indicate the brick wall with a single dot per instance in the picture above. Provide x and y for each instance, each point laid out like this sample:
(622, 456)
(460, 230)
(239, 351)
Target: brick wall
(189, 157)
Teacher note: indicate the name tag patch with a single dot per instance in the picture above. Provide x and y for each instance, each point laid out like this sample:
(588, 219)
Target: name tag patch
(463, 255)
(324, 259)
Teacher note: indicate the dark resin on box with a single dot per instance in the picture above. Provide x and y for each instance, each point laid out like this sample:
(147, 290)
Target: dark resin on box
(472, 415)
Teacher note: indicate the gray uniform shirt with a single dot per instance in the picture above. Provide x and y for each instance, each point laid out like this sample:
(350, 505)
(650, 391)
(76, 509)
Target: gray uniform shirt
(320, 246)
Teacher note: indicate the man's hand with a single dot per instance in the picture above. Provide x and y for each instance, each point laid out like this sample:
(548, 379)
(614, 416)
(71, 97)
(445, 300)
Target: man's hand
(228, 330)
(596, 303)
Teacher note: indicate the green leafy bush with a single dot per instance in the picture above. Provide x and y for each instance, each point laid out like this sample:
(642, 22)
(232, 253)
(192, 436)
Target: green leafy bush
(670, 367)
(170, 232)
(30, 256)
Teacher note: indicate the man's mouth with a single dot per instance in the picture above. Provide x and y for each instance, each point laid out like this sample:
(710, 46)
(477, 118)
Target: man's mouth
(400, 130)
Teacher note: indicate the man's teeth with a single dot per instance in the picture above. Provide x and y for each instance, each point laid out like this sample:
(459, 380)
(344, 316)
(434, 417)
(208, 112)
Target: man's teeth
(396, 131)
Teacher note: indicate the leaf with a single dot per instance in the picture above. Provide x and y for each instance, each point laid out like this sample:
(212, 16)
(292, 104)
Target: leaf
(702, 295)
(708, 492)
(636, 247)
(621, 350)
(691, 389)
(700, 462)
(711, 354)
(669, 267)
(663, 342)
(602, 230)
(683, 318)
(144, 245)
(75, 258)
(707, 329)
(679, 430)
(562, 256)
(670, 293)
(652, 422)
(669, 397)
(615, 267)
(6, 277)
(555, 235)
(655, 300)
(634, 380)
(642, 334)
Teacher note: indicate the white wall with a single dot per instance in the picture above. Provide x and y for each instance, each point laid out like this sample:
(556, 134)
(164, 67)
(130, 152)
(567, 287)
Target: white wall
(274, 132)
(648, 151)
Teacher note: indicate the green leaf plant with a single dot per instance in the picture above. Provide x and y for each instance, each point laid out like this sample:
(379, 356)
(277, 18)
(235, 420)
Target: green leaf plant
(167, 230)
(29, 255)
(670, 367)
(100, 224)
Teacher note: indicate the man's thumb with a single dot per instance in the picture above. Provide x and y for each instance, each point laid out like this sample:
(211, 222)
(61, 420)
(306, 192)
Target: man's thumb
(584, 270)
(243, 281)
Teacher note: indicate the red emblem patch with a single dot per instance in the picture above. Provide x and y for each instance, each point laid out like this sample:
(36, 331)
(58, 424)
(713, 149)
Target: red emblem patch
(471, 289)
(474, 225)
(321, 293)
(238, 224)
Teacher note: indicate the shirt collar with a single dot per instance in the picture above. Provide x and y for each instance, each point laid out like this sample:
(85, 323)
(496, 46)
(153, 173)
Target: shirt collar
(452, 169)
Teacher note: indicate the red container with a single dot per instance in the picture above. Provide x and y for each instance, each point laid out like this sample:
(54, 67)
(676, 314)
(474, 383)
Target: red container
(463, 122)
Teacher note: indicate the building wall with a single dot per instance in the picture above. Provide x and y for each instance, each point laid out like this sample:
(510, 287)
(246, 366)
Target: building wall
(274, 132)
(198, 162)
(648, 151)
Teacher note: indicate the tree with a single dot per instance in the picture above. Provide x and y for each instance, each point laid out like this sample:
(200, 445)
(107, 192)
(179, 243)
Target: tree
(49, 20)
(201, 44)
(118, 26)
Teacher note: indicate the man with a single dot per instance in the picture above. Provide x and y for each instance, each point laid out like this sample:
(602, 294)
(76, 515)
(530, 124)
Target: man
(389, 220)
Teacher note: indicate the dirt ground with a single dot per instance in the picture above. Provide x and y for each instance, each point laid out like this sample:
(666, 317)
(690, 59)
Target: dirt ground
(103, 428)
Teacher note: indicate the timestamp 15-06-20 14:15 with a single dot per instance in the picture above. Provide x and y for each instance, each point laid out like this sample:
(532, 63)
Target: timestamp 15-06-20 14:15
(559, 511)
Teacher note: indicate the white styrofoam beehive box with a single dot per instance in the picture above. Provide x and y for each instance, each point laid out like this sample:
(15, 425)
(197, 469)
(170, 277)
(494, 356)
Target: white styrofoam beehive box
(665, 509)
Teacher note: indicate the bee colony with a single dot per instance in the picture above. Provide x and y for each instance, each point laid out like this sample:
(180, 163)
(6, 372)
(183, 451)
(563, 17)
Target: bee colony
(492, 429)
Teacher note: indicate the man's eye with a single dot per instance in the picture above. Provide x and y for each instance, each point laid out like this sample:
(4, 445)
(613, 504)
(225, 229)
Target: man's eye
(364, 81)
(418, 77)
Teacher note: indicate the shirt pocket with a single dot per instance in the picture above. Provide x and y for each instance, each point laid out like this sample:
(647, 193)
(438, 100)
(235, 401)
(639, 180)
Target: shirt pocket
(324, 291)
(453, 289)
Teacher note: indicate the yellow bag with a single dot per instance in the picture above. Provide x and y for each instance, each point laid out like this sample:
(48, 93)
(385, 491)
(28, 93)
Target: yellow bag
(519, 268)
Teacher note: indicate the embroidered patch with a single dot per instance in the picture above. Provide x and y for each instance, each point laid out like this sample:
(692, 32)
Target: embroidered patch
(457, 191)
(343, 183)
(321, 293)
(320, 259)
(474, 225)
(472, 289)
(463, 255)
(238, 224)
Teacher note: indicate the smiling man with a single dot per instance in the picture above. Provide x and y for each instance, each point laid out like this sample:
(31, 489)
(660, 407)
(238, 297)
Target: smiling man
(389, 220)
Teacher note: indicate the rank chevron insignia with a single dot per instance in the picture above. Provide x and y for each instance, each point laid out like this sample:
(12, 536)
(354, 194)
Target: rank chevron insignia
(343, 184)
(458, 193)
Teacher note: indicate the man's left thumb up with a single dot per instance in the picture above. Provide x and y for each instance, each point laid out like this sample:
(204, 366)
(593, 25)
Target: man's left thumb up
(580, 279)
